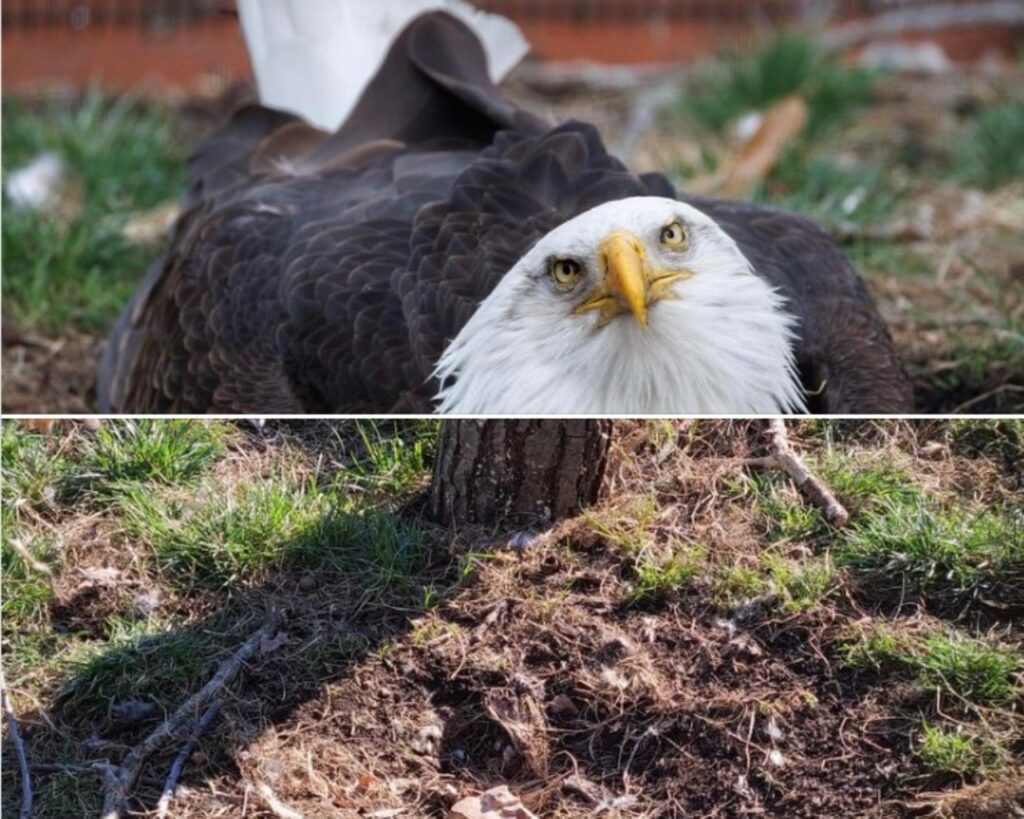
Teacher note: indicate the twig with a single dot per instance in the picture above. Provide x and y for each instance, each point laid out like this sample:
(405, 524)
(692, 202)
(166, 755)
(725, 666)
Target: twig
(117, 787)
(815, 490)
(923, 18)
(19, 750)
(171, 784)
(277, 807)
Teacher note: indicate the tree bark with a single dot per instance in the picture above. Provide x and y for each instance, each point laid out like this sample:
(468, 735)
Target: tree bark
(517, 472)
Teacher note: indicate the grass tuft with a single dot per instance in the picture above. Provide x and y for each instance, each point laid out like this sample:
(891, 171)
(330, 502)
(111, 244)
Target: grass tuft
(660, 580)
(990, 154)
(947, 663)
(953, 751)
(911, 548)
(787, 64)
(148, 451)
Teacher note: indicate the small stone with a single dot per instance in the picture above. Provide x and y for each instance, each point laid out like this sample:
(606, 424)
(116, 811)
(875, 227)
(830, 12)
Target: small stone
(497, 803)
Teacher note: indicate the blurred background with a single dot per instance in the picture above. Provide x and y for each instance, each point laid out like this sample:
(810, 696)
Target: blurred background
(897, 124)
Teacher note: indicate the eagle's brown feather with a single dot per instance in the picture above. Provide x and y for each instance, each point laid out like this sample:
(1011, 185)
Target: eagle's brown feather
(316, 272)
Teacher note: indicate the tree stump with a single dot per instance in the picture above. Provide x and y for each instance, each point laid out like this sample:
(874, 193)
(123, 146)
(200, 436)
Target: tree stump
(517, 472)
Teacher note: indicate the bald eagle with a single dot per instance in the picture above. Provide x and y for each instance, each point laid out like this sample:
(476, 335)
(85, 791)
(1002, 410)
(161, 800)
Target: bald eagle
(445, 250)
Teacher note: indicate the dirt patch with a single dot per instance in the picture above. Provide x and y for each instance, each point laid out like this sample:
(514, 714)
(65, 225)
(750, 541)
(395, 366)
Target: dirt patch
(50, 375)
(542, 676)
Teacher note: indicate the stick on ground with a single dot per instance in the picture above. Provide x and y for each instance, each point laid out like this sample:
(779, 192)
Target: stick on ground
(171, 784)
(117, 787)
(813, 488)
(19, 750)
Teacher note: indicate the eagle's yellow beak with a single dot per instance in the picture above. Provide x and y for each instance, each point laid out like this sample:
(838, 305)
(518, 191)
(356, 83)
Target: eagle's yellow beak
(630, 282)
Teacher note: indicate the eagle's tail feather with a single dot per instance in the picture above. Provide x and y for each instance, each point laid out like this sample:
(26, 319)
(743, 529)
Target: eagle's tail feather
(315, 57)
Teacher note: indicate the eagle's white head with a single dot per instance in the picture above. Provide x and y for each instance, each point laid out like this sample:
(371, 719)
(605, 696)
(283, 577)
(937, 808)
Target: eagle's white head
(642, 305)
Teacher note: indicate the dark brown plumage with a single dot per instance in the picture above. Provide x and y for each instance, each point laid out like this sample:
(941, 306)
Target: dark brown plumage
(314, 273)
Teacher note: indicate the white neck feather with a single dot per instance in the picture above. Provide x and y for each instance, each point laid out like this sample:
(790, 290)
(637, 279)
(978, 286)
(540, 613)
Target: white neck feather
(724, 346)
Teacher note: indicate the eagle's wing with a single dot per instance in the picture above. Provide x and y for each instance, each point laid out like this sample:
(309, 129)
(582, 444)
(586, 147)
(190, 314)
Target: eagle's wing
(847, 361)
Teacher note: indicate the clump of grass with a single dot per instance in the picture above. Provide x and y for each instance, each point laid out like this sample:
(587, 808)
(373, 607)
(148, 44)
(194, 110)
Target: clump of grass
(787, 516)
(34, 466)
(967, 667)
(948, 663)
(989, 155)
(126, 158)
(394, 462)
(737, 582)
(228, 536)
(165, 451)
(953, 751)
(219, 535)
(788, 64)
(800, 585)
(880, 649)
(980, 437)
(625, 524)
(657, 580)
(913, 549)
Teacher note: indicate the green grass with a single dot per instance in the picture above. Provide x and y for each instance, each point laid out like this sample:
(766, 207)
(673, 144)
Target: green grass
(902, 545)
(982, 437)
(823, 189)
(862, 487)
(124, 158)
(147, 660)
(234, 536)
(949, 663)
(989, 155)
(915, 549)
(735, 583)
(169, 452)
(788, 64)
(396, 461)
(659, 580)
(953, 751)
(801, 585)
(33, 467)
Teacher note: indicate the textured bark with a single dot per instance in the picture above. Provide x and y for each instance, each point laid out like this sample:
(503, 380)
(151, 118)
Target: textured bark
(517, 472)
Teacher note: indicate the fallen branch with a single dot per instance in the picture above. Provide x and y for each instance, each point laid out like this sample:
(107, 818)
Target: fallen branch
(117, 787)
(813, 488)
(171, 784)
(19, 750)
(923, 18)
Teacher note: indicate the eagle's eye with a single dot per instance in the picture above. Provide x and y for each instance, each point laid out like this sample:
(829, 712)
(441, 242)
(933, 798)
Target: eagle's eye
(566, 272)
(673, 236)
